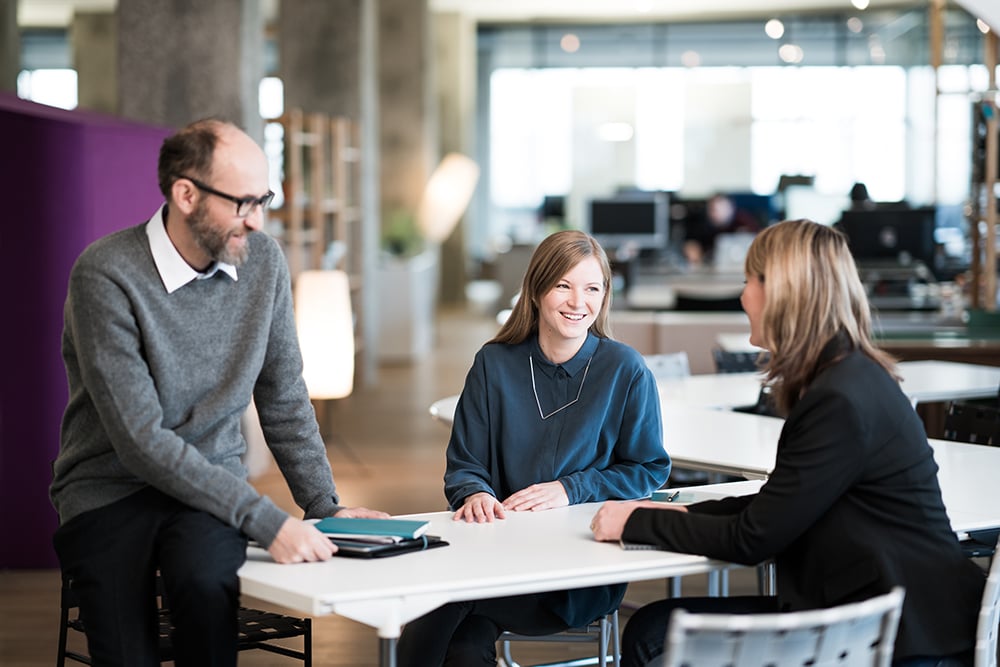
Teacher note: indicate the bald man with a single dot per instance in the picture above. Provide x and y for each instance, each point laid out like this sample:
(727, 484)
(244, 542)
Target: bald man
(171, 327)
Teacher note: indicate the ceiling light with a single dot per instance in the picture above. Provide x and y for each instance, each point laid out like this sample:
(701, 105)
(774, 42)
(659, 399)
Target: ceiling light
(860, 5)
(616, 132)
(690, 59)
(570, 43)
(855, 25)
(983, 26)
(774, 29)
(791, 53)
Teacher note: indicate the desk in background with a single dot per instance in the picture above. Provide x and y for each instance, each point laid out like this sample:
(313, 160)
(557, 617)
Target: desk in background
(742, 444)
(922, 382)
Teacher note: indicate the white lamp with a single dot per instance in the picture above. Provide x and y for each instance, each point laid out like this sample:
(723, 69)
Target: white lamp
(446, 196)
(326, 332)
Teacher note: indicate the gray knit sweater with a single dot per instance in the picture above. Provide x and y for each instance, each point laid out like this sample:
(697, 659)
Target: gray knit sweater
(158, 382)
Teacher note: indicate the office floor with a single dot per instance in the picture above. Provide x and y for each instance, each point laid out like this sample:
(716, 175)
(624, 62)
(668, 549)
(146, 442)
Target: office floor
(386, 453)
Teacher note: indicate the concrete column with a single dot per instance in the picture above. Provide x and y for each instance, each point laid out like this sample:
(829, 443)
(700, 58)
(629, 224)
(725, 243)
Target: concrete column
(328, 62)
(454, 67)
(10, 46)
(94, 41)
(183, 60)
(408, 127)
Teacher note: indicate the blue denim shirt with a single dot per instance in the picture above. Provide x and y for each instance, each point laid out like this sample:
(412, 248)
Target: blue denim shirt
(608, 444)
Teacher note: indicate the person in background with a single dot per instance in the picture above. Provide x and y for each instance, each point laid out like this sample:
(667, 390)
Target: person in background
(171, 327)
(722, 216)
(553, 413)
(860, 200)
(853, 506)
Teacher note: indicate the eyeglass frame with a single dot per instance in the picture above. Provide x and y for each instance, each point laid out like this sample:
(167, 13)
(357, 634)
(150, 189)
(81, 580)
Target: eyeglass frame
(253, 202)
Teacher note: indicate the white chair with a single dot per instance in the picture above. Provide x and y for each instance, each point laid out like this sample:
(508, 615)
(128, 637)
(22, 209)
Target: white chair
(859, 634)
(668, 366)
(989, 619)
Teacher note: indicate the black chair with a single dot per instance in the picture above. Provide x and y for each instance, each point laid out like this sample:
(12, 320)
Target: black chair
(977, 423)
(763, 406)
(257, 629)
(744, 361)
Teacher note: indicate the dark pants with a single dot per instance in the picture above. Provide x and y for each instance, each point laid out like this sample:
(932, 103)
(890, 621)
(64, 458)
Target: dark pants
(645, 632)
(463, 634)
(111, 555)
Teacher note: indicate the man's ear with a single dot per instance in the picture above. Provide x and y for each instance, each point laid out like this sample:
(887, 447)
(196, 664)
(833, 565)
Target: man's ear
(185, 195)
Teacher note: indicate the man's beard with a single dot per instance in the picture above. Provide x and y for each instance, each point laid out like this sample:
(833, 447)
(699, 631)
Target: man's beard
(214, 241)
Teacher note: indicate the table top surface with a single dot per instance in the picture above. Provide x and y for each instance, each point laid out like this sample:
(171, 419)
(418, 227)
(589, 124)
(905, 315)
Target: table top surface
(527, 552)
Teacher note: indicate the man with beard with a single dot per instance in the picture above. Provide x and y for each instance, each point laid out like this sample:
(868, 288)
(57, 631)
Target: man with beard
(171, 327)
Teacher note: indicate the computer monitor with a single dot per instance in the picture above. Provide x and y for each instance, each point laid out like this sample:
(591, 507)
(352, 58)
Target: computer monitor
(891, 234)
(637, 220)
(553, 208)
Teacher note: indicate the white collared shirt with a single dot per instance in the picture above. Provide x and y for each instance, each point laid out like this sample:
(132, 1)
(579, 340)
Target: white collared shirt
(174, 271)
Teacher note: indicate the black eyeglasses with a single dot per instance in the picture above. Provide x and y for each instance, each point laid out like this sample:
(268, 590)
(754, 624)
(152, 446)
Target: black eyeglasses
(244, 205)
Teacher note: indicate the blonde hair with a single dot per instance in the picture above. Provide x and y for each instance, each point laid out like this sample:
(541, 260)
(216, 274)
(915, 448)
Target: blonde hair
(554, 257)
(812, 294)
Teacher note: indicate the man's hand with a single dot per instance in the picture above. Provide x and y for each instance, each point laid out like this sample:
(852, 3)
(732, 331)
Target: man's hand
(298, 542)
(361, 513)
(480, 508)
(538, 497)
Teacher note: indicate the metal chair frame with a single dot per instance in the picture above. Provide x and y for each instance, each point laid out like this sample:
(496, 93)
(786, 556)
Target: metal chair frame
(859, 634)
(989, 619)
(604, 632)
(257, 629)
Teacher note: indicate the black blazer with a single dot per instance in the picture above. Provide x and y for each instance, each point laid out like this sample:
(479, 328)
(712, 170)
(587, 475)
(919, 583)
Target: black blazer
(852, 508)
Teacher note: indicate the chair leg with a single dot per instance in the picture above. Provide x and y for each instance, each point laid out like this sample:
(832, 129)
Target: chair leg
(765, 579)
(307, 647)
(616, 640)
(603, 641)
(508, 659)
(63, 631)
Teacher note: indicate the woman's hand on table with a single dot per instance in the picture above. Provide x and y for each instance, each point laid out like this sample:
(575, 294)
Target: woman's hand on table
(480, 508)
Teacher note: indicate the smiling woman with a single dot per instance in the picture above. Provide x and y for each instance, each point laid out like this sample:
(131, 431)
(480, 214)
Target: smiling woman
(531, 433)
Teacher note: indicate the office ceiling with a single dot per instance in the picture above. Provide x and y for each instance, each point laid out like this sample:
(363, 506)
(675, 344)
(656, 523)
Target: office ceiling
(57, 13)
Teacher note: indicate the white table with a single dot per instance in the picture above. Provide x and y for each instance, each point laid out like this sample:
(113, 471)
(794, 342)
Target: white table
(745, 444)
(923, 382)
(528, 552)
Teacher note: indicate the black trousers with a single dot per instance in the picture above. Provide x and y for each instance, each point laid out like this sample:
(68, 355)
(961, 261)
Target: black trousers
(111, 554)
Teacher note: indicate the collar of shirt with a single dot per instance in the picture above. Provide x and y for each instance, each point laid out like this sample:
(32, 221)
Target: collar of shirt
(174, 271)
(574, 365)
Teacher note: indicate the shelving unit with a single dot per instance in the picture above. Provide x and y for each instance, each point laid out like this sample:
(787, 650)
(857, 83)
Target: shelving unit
(319, 223)
(983, 192)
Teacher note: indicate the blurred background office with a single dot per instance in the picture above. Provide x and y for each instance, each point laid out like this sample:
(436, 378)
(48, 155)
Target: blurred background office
(626, 119)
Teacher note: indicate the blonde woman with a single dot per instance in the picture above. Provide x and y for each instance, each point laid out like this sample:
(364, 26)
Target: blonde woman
(852, 507)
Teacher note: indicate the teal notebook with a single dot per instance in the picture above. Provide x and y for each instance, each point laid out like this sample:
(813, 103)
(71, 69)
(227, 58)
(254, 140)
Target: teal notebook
(380, 529)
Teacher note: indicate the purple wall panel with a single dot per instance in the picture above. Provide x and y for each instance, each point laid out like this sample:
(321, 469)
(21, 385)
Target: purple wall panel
(70, 178)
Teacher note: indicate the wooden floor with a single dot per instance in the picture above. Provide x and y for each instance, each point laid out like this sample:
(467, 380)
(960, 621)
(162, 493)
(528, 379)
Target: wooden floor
(386, 453)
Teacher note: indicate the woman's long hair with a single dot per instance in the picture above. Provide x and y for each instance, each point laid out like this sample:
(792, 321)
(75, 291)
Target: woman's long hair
(812, 293)
(554, 257)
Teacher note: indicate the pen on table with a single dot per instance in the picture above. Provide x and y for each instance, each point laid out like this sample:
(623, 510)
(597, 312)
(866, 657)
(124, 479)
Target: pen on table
(673, 496)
